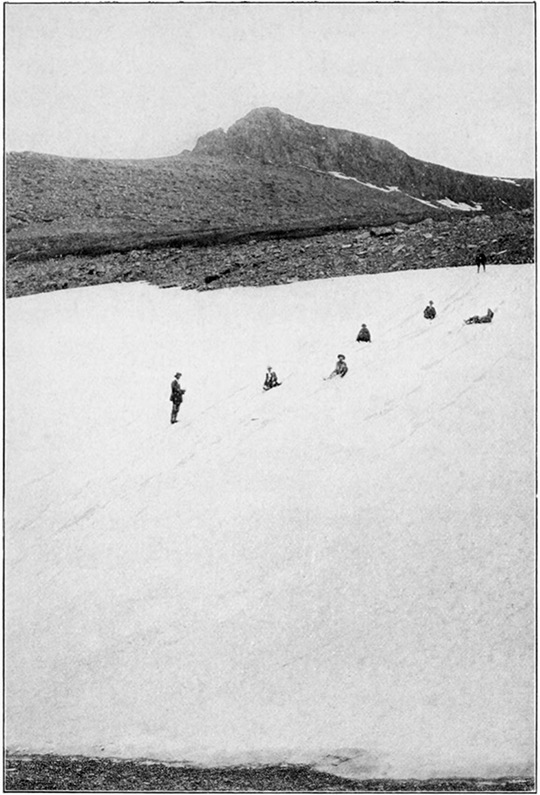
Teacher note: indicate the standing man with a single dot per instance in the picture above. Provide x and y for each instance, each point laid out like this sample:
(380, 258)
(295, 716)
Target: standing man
(480, 260)
(176, 397)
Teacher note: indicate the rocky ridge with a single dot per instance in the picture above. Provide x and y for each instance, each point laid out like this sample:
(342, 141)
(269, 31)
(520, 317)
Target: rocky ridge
(272, 199)
(59, 205)
(266, 135)
(33, 772)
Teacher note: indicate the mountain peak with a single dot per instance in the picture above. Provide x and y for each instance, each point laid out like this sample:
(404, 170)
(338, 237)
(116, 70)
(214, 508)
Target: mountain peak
(270, 137)
(263, 113)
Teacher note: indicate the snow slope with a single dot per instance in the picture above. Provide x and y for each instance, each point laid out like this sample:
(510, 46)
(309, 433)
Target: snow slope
(334, 566)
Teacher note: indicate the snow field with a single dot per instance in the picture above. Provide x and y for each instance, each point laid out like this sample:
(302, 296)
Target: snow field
(332, 564)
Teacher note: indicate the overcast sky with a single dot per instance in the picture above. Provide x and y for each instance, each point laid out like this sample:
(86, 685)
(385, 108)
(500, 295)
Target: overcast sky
(452, 84)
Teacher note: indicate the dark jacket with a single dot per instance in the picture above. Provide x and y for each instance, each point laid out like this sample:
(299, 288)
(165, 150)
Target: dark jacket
(363, 335)
(429, 312)
(176, 392)
(341, 368)
(270, 380)
(480, 258)
(484, 319)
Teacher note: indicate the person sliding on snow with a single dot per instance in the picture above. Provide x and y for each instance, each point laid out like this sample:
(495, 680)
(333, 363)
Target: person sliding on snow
(363, 334)
(429, 311)
(484, 319)
(176, 397)
(270, 380)
(341, 368)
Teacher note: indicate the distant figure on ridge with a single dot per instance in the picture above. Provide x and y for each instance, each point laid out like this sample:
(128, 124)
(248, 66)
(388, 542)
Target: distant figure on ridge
(340, 369)
(480, 261)
(270, 380)
(429, 311)
(484, 319)
(176, 397)
(363, 334)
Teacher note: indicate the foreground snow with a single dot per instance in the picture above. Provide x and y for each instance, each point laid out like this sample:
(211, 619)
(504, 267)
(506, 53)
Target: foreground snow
(331, 566)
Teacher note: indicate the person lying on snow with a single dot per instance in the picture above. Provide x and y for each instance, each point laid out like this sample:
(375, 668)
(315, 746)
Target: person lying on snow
(270, 379)
(340, 369)
(484, 319)
(363, 334)
(429, 311)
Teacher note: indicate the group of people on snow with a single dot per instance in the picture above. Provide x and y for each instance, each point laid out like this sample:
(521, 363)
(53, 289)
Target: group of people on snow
(341, 369)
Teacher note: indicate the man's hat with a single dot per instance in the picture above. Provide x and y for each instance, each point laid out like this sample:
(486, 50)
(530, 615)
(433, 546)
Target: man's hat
(177, 375)
(340, 356)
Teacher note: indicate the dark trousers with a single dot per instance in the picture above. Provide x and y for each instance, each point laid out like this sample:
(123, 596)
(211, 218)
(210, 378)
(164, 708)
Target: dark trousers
(480, 264)
(174, 411)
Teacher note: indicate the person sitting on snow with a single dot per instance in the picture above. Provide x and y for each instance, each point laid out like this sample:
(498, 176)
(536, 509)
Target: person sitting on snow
(484, 319)
(270, 380)
(429, 311)
(341, 368)
(363, 334)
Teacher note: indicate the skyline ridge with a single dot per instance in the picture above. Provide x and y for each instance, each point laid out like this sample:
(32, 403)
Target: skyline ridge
(266, 111)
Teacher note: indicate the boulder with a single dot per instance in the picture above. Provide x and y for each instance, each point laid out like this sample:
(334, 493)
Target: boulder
(362, 237)
(381, 231)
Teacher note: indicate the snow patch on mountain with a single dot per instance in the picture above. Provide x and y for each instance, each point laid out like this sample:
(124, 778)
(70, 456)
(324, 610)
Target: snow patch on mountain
(387, 189)
(449, 203)
(423, 201)
(452, 205)
(505, 179)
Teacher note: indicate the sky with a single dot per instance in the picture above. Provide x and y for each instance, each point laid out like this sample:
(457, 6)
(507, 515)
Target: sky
(448, 83)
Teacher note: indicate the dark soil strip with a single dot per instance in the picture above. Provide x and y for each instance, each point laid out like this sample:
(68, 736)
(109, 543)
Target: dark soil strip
(60, 773)
(96, 245)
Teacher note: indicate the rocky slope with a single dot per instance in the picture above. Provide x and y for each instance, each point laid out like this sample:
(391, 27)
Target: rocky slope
(507, 237)
(75, 773)
(59, 205)
(269, 180)
(268, 171)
